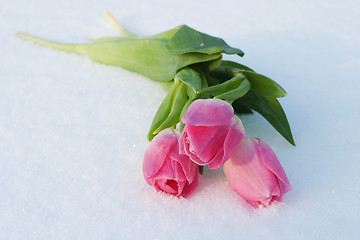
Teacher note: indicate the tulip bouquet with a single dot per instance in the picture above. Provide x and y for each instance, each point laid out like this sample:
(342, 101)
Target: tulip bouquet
(197, 123)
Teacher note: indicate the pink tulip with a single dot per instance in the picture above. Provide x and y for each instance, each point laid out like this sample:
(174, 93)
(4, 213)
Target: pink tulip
(166, 169)
(211, 133)
(255, 173)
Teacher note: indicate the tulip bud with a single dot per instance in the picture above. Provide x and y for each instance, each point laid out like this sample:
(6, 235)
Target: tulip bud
(255, 173)
(166, 169)
(211, 133)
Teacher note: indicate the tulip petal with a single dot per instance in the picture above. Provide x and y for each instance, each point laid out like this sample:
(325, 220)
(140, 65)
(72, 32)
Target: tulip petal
(247, 175)
(185, 168)
(235, 135)
(166, 185)
(199, 142)
(208, 112)
(255, 173)
(157, 151)
(177, 169)
(217, 161)
(270, 160)
(185, 147)
(205, 142)
(166, 169)
(181, 185)
(190, 187)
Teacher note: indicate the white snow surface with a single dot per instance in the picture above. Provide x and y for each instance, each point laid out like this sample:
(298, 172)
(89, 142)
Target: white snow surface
(73, 132)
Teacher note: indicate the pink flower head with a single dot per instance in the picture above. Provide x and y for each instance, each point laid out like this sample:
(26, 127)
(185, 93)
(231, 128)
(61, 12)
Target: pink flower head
(255, 173)
(166, 169)
(211, 133)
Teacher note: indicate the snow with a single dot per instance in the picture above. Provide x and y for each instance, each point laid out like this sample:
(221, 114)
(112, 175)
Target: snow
(73, 132)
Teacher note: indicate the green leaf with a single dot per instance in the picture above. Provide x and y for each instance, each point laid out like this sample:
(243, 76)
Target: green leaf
(235, 66)
(162, 112)
(178, 103)
(187, 40)
(190, 77)
(185, 108)
(208, 66)
(167, 35)
(264, 85)
(211, 81)
(270, 108)
(240, 108)
(239, 91)
(192, 81)
(230, 90)
(223, 87)
(259, 83)
(147, 56)
(212, 64)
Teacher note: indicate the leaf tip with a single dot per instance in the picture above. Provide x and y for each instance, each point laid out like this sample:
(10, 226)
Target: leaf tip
(289, 138)
(293, 142)
(241, 53)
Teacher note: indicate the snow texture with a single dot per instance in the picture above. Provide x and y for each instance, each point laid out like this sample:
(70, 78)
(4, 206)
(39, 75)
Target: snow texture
(73, 132)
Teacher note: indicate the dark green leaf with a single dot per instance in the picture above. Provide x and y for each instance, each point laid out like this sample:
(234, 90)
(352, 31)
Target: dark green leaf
(211, 81)
(259, 83)
(264, 85)
(230, 90)
(227, 70)
(270, 108)
(236, 66)
(223, 87)
(208, 66)
(240, 108)
(201, 169)
(239, 91)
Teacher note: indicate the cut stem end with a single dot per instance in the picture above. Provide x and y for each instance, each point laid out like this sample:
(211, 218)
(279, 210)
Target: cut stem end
(121, 29)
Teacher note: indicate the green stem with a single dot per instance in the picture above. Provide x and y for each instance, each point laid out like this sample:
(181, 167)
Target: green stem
(72, 48)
